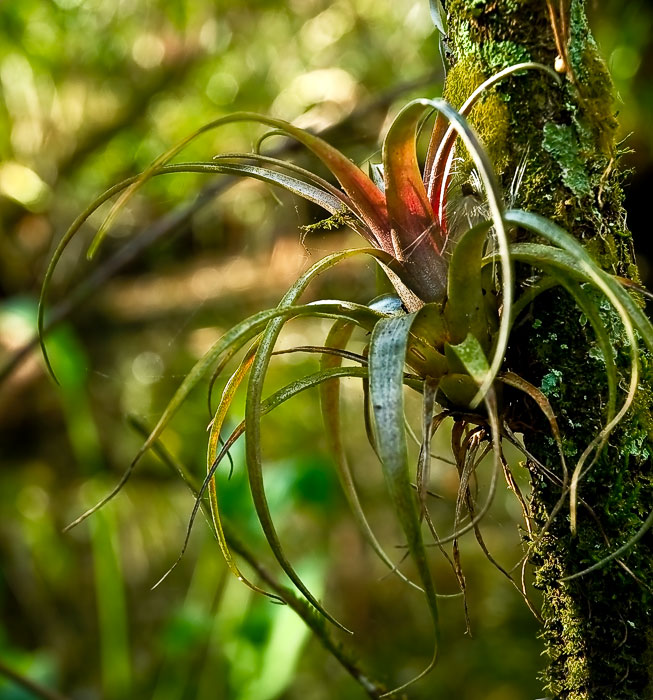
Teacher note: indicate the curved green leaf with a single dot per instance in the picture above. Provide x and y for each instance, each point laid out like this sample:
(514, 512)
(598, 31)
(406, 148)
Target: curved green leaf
(576, 262)
(305, 174)
(253, 420)
(338, 337)
(253, 414)
(387, 356)
(465, 309)
(428, 427)
(442, 143)
(368, 200)
(495, 205)
(214, 437)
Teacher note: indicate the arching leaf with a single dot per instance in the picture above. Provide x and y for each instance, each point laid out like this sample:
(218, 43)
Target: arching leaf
(495, 206)
(465, 309)
(387, 356)
(216, 428)
(417, 237)
(442, 143)
(330, 400)
(368, 200)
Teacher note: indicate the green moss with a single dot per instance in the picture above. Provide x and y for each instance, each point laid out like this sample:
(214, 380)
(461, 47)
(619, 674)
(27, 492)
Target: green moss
(338, 220)
(551, 382)
(501, 54)
(489, 116)
(491, 119)
(561, 142)
(493, 54)
(463, 78)
(595, 108)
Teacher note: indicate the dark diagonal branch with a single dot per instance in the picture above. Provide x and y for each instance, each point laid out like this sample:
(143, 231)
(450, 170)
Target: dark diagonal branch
(36, 689)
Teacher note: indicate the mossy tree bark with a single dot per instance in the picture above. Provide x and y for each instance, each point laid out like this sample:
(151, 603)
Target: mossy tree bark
(598, 629)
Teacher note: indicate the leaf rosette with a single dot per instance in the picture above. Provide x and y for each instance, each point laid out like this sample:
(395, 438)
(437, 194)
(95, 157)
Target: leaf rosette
(444, 333)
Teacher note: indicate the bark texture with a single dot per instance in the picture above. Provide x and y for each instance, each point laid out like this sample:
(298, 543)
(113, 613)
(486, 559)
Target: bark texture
(598, 630)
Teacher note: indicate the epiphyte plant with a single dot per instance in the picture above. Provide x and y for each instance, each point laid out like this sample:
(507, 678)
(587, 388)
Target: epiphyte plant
(444, 334)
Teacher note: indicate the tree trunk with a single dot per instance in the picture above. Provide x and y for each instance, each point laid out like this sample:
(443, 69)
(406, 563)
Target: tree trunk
(598, 629)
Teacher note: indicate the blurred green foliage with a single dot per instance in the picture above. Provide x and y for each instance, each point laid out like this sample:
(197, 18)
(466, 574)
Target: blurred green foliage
(91, 92)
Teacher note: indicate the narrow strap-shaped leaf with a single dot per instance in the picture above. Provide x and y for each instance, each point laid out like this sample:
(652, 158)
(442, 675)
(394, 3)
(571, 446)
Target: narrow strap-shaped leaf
(495, 205)
(437, 178)
(575, 261)
(253, 413)
(229, 345)
(216, 428)
(323, 194)
(264, 161)
(387, 356)
(308, 191)
(312, 193)
(284, 394)
(253, 416)
(214, 438)
(338, 337)
(254, 458)
(367, 198)
(56, 256)
(368, 417)
(253, 440)
(417, 235)
(588, 307)
(465, 308)
(439, 16)
(428, 425)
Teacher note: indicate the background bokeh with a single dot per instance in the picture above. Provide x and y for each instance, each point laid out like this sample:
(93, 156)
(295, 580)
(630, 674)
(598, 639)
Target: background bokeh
(92, 92)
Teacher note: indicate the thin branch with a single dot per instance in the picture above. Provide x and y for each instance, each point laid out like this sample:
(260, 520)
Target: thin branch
(29, 685)
(313, 620)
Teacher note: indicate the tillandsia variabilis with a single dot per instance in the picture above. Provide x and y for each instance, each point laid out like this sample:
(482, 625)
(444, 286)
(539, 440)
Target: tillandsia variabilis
(443, 334)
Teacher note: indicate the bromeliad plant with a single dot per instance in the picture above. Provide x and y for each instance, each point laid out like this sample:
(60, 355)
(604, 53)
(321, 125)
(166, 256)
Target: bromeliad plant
(444, 334)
